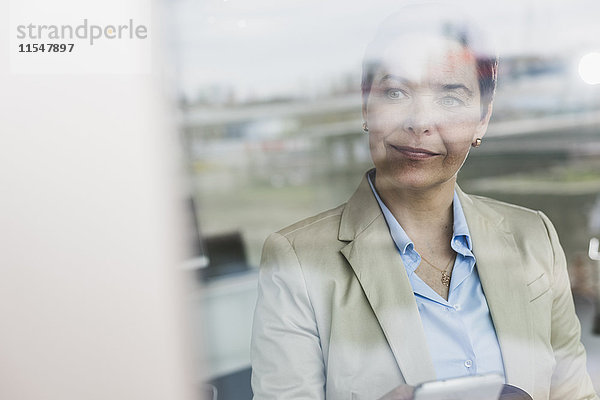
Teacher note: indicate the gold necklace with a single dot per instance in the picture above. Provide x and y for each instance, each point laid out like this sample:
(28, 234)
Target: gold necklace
(445, 275)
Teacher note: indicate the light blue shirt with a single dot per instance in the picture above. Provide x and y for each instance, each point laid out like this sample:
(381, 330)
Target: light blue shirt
(459, 332)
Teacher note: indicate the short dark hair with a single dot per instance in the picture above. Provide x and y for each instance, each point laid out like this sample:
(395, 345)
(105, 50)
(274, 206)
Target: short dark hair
(450, 24)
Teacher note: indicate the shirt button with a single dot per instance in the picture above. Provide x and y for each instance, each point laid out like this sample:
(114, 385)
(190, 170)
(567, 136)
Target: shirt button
(468, 363)
(457, 307)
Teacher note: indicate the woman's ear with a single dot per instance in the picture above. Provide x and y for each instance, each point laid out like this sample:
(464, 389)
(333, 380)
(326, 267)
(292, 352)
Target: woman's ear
(483, 122)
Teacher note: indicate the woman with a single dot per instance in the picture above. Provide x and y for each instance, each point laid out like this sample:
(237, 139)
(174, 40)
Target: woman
(413, 280)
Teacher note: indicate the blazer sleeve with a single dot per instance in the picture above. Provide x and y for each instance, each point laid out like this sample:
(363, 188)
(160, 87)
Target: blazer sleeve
(570, 379)
(287, 361)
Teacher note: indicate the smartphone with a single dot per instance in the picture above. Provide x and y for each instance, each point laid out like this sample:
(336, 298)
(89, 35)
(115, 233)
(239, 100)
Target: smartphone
(476, 387)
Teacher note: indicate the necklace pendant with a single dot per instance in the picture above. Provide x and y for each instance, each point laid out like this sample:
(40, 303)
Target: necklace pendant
(445, 279)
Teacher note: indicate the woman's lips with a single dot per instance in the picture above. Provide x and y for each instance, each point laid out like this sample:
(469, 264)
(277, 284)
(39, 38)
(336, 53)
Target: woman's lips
(415, 153)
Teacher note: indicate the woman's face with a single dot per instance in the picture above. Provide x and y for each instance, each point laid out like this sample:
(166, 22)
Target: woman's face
(423, 111)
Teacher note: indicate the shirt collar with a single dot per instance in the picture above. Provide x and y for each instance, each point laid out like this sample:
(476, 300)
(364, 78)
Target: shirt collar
(461, 238)
(403, 242)
(461, 230)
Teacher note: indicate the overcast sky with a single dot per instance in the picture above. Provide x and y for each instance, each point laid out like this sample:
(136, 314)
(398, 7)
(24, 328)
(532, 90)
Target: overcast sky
(269, 47)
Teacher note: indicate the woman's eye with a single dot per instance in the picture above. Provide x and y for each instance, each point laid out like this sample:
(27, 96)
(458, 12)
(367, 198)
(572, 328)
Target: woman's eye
(449, 101)
(394, 94)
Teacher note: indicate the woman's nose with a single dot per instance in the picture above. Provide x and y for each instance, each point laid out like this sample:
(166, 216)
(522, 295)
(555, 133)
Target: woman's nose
(420, 117)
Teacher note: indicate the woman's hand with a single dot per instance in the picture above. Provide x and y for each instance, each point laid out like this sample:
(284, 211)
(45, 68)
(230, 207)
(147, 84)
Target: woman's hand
(402, 392)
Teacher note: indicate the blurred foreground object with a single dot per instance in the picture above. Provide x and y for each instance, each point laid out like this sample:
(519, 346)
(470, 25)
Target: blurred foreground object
(91, 299)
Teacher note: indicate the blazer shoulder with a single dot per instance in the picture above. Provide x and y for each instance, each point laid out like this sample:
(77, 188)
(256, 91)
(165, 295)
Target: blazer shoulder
(504, 208)
(326, 220)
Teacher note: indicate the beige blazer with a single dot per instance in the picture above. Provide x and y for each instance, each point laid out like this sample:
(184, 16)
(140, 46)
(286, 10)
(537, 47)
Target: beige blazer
(336, 317)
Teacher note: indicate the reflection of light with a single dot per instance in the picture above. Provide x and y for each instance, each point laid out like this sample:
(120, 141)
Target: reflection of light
(589, 68)
(593, 250)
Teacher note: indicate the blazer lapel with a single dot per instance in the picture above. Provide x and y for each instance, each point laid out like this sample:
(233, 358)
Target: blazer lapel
(378, 267)
(504, 283)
